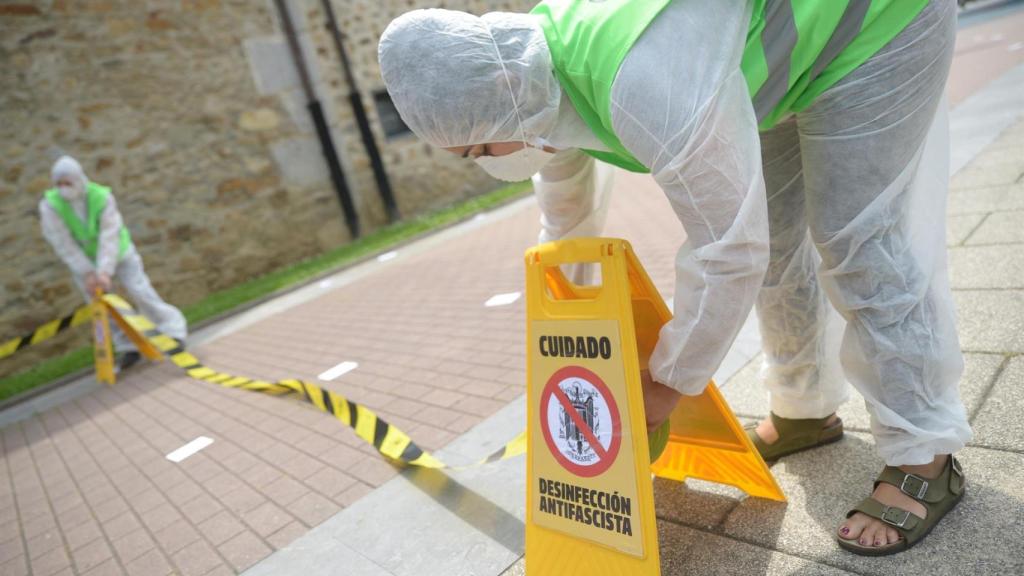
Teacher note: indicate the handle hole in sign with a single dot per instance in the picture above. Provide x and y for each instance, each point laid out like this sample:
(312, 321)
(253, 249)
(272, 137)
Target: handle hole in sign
(560, 285)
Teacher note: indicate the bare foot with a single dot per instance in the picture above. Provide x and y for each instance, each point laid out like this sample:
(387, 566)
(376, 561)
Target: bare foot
(870, 531)
(767, 432)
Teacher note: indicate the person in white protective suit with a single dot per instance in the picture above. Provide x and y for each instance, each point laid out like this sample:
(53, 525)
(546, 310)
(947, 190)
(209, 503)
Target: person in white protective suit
(81, 222)
(804, 149)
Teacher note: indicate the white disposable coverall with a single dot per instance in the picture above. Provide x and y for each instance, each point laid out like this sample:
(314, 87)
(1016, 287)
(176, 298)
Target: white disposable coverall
(854, 169)
(126, 269)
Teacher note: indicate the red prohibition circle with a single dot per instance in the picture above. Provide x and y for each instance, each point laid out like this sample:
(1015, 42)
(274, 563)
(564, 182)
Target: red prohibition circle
(547, 396)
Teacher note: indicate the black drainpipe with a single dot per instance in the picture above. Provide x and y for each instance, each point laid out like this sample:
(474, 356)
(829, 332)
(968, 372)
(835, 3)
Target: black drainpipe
(322, 131)
(383, 186)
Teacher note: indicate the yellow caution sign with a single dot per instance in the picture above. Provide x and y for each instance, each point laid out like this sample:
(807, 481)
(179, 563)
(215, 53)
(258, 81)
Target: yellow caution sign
(102, 347)
(706, 442)
(590, 503)
(133, 324)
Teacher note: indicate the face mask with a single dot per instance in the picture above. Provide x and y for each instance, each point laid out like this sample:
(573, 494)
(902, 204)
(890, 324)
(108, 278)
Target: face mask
(69, 192)
(517, 166)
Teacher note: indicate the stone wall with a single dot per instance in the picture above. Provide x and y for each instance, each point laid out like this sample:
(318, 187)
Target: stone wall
(192, 111)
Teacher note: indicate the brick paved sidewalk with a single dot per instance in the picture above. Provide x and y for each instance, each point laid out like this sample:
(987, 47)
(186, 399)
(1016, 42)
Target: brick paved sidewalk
(85, 487)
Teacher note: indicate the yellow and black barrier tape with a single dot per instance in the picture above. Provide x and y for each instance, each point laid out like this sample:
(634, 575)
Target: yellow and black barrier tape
(46, 331)
(389, 441)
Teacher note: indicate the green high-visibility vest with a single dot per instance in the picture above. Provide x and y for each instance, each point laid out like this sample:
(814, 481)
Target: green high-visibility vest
(795, 50)
(87, 234)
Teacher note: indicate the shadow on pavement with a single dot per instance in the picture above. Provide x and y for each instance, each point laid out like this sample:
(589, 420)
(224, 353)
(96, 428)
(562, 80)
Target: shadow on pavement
(474, 509)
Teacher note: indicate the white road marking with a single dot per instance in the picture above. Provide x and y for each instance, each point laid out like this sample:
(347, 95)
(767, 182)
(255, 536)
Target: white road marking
(339, 370)
(189, 449)
(503, 299)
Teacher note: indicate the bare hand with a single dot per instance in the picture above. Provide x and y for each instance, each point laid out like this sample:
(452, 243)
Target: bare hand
(104, 282)
(97, 281)
(91, 283)
(659, 400)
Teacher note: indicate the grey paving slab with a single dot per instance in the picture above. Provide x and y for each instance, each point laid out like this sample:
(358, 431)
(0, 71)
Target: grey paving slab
(979, 370)
(686, 550)
(990, 320)
(983, 176)
(999, 423)
(980, 536)
(984, 200)
(428, 522)
(695, 503)
(999, 228)
(977, 121)
(960, 227)
(312, 558)
(996, 266)
(1006, 152)
(748, 397)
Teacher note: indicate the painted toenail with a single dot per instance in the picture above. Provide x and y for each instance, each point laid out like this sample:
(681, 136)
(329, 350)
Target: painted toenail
(845, 530)
(863, 542)
(878, 542)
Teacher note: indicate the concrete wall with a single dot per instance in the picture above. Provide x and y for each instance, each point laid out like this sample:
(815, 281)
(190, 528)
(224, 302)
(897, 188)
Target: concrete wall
(192, 111)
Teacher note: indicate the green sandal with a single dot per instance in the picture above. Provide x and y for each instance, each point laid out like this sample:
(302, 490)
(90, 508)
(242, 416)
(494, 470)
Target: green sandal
(938, 495)
(796, 435)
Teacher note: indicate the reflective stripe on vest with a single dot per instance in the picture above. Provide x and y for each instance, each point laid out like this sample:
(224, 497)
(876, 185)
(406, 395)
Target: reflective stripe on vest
(779, 40)
(849, 26)
(792, 61)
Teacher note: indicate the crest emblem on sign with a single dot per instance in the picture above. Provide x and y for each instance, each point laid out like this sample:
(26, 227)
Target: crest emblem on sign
(582, 426)
(581, 394)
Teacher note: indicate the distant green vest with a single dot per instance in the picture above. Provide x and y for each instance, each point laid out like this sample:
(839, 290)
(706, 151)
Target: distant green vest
(87, 233)
(795, 50)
